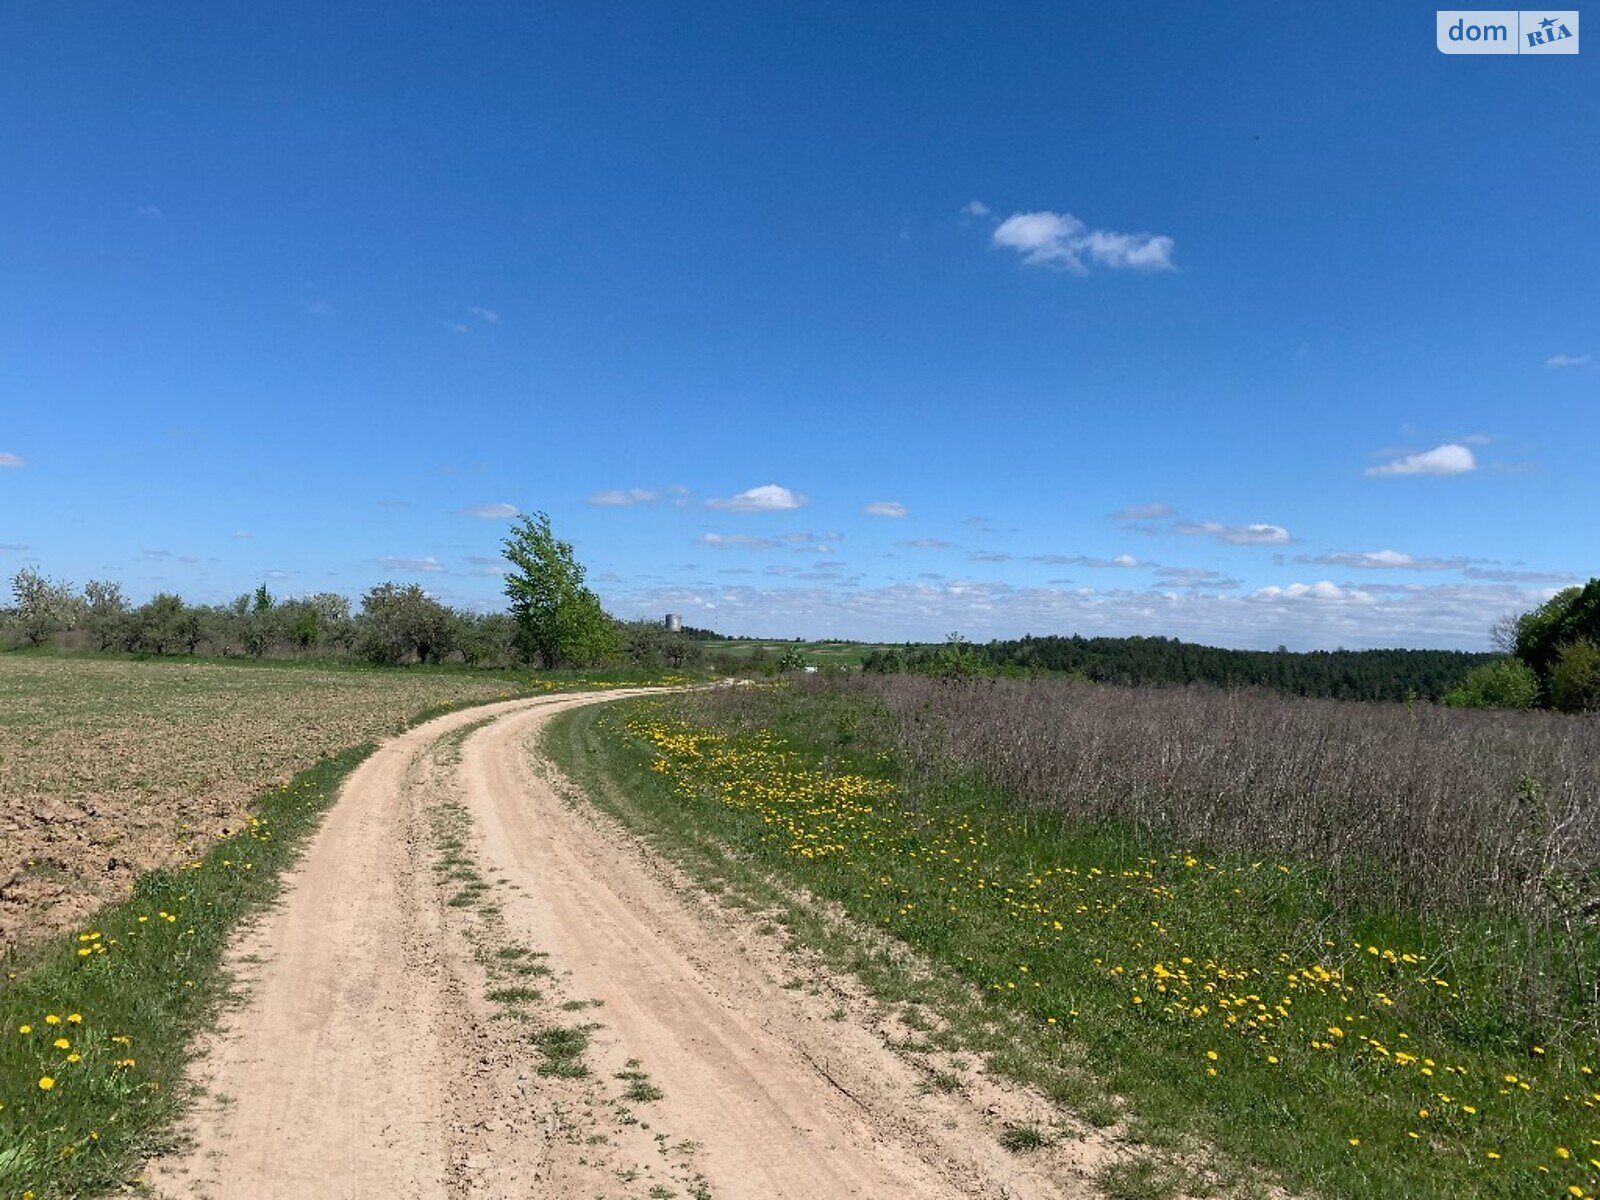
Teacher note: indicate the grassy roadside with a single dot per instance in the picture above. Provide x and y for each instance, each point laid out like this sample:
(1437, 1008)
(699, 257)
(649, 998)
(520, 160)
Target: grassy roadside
(1349, 1062)
(95, 1031)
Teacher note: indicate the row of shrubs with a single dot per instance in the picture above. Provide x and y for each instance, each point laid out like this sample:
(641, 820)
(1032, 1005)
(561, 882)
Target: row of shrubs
(394, 624)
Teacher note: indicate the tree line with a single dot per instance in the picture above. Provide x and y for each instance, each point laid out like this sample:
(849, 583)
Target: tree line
(1327, 674)
(554, 620)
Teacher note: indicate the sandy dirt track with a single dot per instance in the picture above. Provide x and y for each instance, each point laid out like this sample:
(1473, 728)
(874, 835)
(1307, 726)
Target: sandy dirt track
(364, 1059)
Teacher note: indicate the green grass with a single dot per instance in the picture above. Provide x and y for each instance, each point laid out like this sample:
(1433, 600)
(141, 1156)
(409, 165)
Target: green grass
(129, 993)
(563, 1048)
(1100, 965)
(816, 654)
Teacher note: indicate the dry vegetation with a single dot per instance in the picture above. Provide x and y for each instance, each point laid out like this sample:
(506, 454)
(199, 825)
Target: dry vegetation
(110, 768)
(1414, 809)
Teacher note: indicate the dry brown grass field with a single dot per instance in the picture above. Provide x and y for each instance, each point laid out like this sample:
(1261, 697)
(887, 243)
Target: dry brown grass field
(110, 768)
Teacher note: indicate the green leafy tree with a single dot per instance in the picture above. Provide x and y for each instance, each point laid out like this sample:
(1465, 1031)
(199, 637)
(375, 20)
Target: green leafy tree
(400, 624)
(105, 612)
(45, 606)
(1571, 615)
(159, 625)
(1575, 678)
(559, 621)
(1504, 683)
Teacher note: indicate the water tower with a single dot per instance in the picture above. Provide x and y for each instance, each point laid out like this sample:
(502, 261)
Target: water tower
(674, 622)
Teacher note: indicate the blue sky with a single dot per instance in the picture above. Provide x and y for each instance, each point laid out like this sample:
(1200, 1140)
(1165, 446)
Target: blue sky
(1251, 325)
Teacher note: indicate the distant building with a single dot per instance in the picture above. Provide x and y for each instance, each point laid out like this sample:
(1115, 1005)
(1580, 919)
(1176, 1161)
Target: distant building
(674, 623)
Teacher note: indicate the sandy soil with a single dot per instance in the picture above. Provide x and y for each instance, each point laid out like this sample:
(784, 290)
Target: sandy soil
(365, 1058)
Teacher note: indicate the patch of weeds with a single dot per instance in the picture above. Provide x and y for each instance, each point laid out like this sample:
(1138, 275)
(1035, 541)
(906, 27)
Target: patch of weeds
(514, 995)
(639, 1089)
(1140, 1179)
(563, 1048)
(1019, 1139)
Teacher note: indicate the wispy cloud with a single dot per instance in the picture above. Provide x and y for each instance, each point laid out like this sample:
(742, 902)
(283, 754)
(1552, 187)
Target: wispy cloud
(148, 211)
(1258, 534)
(1084, 560)
(492, 512)
(742, 541)
(1566, 360)
(1450, 459)
(769, 497)
(927, 544)
(426, 563)
(1383, 560)
(1199, 577)
(1141, 512)
(14, 461)
(886, 508)
(1063, 242)
(455, 327)
(241, 533)
(487, 315)
(1502, 575)
(975, 208)
(319, 307)
(623, 497)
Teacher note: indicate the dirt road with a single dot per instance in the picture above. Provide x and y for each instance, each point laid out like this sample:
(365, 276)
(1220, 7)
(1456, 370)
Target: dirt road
(379, 1050)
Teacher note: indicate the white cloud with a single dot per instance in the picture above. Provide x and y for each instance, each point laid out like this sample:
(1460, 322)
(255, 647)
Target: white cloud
(320, 308)
(975, 208)
(886, 508)
(1449, 459)
(486, 315)
(1318, 615)
(1321, 591)
(241, 533)
(1062, 241)
(926, 544)
(742, 540)
(623, 497)
(1141, 512)
(492, 512)
(455, 327)
(148, 211)
(7, 459)
(1566, 360)
(1259, 534)
(426, 563)
(769, 497)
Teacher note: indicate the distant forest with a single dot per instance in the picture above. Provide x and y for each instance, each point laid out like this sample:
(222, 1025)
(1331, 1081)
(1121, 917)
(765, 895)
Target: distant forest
(1334, 674)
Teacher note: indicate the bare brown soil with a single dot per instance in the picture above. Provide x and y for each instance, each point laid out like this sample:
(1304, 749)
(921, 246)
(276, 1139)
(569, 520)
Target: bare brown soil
(111, 768)
(367, 1058)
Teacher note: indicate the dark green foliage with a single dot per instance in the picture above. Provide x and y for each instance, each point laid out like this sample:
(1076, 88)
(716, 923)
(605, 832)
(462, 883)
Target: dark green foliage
(1568, 616)
(1547, 639)
(404, 624)
(1334, 674)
